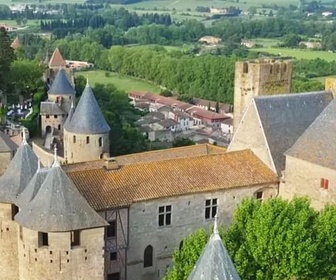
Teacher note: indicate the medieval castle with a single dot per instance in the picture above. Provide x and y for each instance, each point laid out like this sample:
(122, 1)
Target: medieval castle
(89, 216)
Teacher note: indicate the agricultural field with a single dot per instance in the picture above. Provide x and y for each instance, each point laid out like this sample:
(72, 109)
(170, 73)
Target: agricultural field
(125, 83)
(298, 53)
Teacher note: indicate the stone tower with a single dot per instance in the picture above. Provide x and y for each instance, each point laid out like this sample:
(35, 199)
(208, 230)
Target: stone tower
(60, 235)
(86, 130)
(54, 111)
(259, 77)
(19, 172)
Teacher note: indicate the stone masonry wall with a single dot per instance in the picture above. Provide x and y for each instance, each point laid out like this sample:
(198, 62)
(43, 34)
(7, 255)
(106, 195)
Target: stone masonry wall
(60, 261)
(188, 215)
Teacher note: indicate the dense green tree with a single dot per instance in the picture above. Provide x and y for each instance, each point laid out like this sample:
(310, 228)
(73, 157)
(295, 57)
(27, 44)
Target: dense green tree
(179, 142)
(275, 239)
(6, 58)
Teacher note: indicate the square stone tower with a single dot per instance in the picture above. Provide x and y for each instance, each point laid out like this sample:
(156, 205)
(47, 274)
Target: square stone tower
(259, 77)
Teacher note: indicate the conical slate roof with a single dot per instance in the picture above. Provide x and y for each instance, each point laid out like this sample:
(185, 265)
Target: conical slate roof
(56, 59)
(18, 174)
(315, 143)
(214, 262)
(61, 85)
(88, 118)
(70, 115)
(6, 144)
(58, 206)
(33, 187)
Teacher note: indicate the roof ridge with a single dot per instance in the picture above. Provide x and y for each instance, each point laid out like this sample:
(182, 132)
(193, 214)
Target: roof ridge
(289, 94)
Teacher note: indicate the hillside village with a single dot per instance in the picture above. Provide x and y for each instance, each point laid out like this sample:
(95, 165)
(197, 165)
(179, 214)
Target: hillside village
(70, 211)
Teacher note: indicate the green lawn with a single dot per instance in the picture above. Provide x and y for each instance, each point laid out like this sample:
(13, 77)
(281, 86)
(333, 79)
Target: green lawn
(125, 83)
(298, 53)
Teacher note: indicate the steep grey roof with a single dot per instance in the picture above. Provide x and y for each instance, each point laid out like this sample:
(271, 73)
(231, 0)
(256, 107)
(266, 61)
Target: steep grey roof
(88, 118)
(70, 115)
(51, 108)
(6, 144)
(285, 117)
(32, 188)
(18, 174)
(317, 144)
(58, 206)
(61, 84)
(214, 262)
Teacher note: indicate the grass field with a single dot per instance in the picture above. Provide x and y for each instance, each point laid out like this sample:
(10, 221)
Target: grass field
(298, 53)
(125, 83)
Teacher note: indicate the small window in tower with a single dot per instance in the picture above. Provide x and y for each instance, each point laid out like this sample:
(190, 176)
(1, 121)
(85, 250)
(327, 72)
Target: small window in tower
(55, 116)
(87, 139)
(15, 210)
(74, 138)
(113, 256)
(245, 68)
(111, 230)
(75, 238)
(100, 141)
(47, 116)
(59, 127)
(43, 239)
(285, 68)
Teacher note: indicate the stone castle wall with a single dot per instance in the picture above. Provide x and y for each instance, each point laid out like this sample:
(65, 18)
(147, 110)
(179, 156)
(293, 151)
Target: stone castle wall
(85, 147)
(9, 264)
(259, 77)
(52, 122)
(59, 260)
(188, 215)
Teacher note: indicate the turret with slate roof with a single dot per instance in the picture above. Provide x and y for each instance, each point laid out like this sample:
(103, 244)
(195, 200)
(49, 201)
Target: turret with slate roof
(59, 230)
(19, 172)
(7, 151)
(214, 262)
(88, 129)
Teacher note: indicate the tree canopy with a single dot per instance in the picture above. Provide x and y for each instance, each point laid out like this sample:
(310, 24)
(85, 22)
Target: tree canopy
(276, 239)
(6, 58)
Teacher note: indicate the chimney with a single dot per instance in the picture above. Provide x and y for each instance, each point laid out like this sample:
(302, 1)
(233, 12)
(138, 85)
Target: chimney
(111, 164)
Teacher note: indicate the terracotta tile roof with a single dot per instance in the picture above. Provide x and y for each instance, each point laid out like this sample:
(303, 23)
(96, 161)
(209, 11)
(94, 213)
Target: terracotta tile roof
(201, 113)
(133, 183)
(152, 156)
(16, 43)
(56, 59)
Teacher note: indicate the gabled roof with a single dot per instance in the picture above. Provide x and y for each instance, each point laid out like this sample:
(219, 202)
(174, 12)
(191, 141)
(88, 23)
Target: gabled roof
(56, 59)
(61, 84)
(285, 118)
(32, 188)
(214, 262)
(58, 206)
(16, 43)
(6, 144)
(88, 118)
(18, 174)
(51, 108)
(104, 188)
(317, 144)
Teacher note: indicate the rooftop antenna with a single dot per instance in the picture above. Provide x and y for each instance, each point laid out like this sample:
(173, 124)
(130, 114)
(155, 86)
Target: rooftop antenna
(56, 162)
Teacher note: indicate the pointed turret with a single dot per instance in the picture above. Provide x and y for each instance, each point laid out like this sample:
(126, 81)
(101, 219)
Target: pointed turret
(70, 115)
(19, 172)
(58, 206)
(56, 59)
(214, 262)
(88, 118)
(61, 85)
(33, 187)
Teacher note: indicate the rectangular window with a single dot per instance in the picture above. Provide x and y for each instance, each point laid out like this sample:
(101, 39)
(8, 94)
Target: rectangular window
(43, 239)
(210, 208)
(259, 195)
(113, 276)
(324, 183)
(74, 138)
(165, 213)
(100, 141)
(113, 256)
(75, 238)
(87, 139)
(47, 116)
(55, 116)
(15, 210)
(111, 230)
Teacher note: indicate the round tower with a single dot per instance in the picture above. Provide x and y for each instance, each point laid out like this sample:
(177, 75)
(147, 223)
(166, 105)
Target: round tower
(60, 235)
(86, 132)
(19, 172)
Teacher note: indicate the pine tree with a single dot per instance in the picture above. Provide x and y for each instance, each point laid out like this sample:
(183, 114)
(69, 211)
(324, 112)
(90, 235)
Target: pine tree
(6, 58)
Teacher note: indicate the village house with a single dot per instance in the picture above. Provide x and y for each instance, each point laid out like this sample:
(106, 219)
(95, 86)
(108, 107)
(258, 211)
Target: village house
(311, 45)
(210, 40)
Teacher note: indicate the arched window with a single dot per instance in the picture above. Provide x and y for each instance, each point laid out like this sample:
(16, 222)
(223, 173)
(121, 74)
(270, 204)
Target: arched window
(148, 256)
